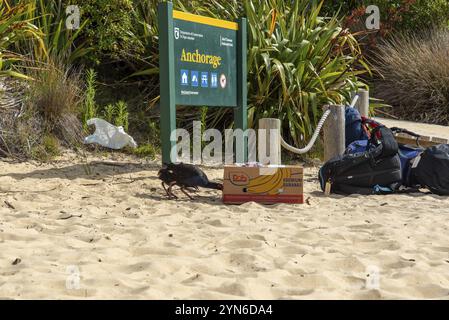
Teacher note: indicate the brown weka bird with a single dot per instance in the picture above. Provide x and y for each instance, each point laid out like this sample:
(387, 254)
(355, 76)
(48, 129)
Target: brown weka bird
(186, 176)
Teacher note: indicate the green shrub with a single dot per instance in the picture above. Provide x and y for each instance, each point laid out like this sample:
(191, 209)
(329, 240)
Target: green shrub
(121, 115)
(109, 112)
(396, 15)
(154, 133)
(117, 114)
(297, 62)
(109, 30)
(145, 151)
(51, 145)
(89, 109)
(415, 70)
(423, 14)
(48, 149)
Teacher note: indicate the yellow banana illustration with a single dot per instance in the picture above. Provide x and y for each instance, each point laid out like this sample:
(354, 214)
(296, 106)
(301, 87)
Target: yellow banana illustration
(260, 180)
(266, 186)
(269, 184)
(286, 173)
(275, 189)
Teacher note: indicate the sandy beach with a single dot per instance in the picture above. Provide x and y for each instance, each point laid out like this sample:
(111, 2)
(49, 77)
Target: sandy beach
(115, 232)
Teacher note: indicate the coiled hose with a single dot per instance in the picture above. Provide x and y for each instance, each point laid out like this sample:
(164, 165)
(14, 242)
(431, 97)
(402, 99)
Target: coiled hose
(312, 141)
(316, 133)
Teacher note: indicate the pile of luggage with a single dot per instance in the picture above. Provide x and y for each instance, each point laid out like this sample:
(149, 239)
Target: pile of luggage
(374, 162)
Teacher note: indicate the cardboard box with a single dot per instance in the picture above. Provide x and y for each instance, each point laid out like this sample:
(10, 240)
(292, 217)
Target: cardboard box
(265, 184)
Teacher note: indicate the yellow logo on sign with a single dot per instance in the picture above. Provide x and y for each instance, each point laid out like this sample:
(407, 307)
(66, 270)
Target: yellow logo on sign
(197, 57)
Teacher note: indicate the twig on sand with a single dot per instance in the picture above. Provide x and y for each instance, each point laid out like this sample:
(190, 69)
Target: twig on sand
(66, 216)
(10, 206)
(131, 180)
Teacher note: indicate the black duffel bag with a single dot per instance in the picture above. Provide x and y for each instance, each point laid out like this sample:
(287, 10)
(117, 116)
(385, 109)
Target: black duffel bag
(431, 170)
(375, 171)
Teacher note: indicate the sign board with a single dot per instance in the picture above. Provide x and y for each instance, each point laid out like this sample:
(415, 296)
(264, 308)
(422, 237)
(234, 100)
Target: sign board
(202, 62)
(205, 61)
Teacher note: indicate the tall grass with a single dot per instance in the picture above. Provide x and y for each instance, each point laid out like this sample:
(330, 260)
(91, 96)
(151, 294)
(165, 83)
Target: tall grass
(14, 27)
(298, 61)
(415, 71)
(89, 107)
(49, 115)
(57, 40)
(55, 95)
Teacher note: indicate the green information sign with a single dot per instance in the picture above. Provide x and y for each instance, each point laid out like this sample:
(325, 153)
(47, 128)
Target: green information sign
(205, 62)
(202, 63)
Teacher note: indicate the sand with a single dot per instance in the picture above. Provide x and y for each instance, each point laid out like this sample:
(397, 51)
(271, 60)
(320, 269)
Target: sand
(113, 235)
(424, 129)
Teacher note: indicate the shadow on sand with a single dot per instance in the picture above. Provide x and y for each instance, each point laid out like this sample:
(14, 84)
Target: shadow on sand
(95, 170)
(413, 194)
(211, 200)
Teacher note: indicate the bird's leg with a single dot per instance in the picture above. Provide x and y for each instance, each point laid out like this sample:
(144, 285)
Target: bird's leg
(185, 192)
(192, 189)
(170, 192)
(166, 191)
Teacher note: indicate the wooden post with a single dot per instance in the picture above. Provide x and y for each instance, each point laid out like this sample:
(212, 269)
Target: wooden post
(363, 103)
(268, 143)
(334, 132)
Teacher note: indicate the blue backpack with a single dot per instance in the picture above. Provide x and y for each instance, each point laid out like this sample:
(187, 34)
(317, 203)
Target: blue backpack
(353, 126)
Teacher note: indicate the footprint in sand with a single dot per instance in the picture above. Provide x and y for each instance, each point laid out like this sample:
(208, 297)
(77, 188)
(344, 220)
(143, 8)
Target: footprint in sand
(240, 244)
(432, 291)
(195, 278)
(367, 295)
(299, 292)
(441, 249)
(234, 289)
(241, 259)
(138, 291)
(294, 250)
(401, 263)
(136, 267)
(215, 223)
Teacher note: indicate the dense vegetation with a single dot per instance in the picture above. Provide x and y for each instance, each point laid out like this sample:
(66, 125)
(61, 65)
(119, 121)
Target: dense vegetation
(416, 85)
(409, 55)
(396, 15)
(301, 55)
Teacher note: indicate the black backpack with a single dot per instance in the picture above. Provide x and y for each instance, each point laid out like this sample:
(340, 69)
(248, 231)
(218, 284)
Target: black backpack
(375, 171)
(431, 170)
